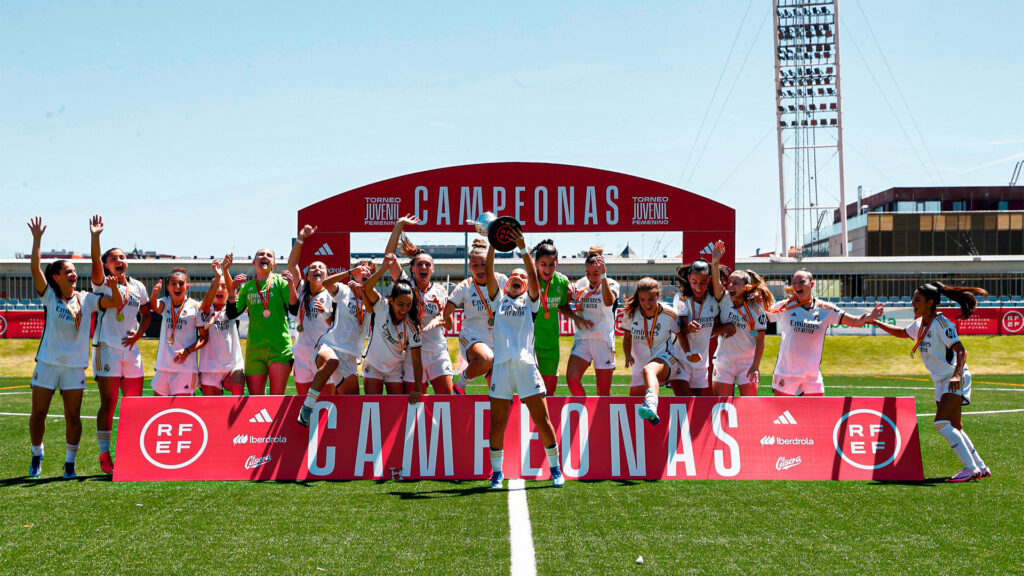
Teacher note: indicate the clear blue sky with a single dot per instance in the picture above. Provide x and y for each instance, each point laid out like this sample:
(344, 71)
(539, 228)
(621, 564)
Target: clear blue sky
(198, 128)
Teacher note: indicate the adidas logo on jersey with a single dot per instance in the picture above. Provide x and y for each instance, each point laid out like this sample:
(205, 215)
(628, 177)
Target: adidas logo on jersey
(785, 418)
(324, 250)
(262, 417)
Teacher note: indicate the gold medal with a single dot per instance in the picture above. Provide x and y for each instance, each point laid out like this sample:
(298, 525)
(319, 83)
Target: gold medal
(120, 317)
(490, 321)
(266, 313)
(299, 328)
(547, 314)
(170, 341)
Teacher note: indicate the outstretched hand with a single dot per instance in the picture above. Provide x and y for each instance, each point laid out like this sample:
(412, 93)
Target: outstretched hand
(718, 251)
(306, 232)
(95, 224)
(517, 237)
(37, 227)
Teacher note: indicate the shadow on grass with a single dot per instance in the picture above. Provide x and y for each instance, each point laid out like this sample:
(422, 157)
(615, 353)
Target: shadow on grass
(459, 488)
(927, 482)
(30, 482)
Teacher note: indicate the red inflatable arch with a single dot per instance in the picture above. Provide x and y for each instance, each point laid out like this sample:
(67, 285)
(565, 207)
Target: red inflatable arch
(543, 197)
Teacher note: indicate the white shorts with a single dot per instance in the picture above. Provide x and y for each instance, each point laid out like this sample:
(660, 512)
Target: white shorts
(674, 368)
(378, 374)
(433, 367)
(466, 341)
(214, 379)
(791, 385)
(304, 367)
(942, 387)
(597, 352)
(174, 383)
(348, 365)
(117, 361)
(53, 377)
(515, 378)
(695, 374)
(731, 371)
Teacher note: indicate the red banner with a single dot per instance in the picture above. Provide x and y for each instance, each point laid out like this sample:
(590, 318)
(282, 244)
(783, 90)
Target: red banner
(445, 437)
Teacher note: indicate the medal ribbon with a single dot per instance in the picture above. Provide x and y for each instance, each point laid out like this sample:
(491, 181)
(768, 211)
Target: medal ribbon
(360, 311)
(423, 300)
(302, 309)
(649, 334)
(579, 301)
(174, 318)
(544, 298)
(490, 313)
(792, 302)
(265, 298)
(124, 301)
(75, 314)
(748, 317)
(921, 335)
(699, 311)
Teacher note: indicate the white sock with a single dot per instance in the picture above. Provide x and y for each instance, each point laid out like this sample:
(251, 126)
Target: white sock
(956, 442)
(70, 452)
(497, 459)
(103, 440)
(974, 453)
(311, 397)
(552, 452)
(651, 397)
(36, 450)
(464, 381)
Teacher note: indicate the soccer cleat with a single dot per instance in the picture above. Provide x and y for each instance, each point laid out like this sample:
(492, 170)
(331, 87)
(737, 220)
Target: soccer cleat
(106, 463)
(304, 414)
(69, 471)
(496, 479)
(985, 472)
(964, 475)
(459, 390)
(557, 480)
(647, 413)
(36, 467)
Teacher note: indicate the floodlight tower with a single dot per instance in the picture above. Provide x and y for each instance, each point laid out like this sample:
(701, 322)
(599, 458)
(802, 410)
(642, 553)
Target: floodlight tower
(809, 109)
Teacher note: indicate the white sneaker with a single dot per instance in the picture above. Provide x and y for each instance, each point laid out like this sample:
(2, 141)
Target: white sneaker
(985, 472)
(964, 475)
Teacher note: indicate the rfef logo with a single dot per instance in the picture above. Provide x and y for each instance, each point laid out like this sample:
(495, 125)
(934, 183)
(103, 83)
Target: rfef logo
(866, 439)
(1013, 322)
(173, 438)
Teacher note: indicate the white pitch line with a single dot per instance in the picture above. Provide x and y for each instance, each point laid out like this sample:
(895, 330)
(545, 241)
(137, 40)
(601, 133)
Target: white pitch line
(978, 412)
(49, 415)
(520, 534)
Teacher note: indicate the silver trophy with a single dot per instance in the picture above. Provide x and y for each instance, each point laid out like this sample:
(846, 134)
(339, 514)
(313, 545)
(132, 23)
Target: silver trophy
(497, 229)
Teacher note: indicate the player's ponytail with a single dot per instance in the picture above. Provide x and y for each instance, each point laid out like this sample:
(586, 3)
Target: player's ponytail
(756, 285)
(646, 284)
(964, 296)
(478, 248)
(592, 254)
(407, 249)
(543, 248)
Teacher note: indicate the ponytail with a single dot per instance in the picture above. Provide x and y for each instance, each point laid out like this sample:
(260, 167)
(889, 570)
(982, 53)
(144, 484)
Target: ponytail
(592, 254)
(964, 296)
(756, 285)
(545, 247)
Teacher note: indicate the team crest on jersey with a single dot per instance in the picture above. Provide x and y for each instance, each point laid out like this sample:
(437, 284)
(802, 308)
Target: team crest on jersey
(950, 333)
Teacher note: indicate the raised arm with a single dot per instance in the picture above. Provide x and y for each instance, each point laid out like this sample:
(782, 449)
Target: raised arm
(37, 228)
(532, 284)
(716, 279)
(396, 232)
(293, 256)
(890, 330)
(95, 228)
(492, 280)
(154, 298)
(211, 293)
(863, 318)
(370, 295)
(607, 296)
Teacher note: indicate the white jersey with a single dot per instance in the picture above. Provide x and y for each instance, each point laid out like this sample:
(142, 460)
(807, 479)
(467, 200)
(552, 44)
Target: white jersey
(705, 314)
(477, 308)
(347, 333)
(651, 336)
(803, 338)
(590, 305)
(432, 301)
(749, 319)
(935, 346)
(513, 328)
(314, 322)
(388, 342)
(65, 342)
(186, 333)
(110, 330)
(223, 351)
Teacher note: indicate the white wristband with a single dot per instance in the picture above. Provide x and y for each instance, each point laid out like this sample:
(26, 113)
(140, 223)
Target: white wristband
(297, 241)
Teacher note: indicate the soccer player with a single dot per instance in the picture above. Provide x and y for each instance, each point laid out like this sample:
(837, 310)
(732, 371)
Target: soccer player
(182, 334)
(432, 298)
(221, 364)
(698, 311)
(315, 313)
(649, 326)
(738, 356)
(63, 350)
(268, 346)
(515, 364)
(476, 337)
(595, 295)
(554, 299)
(117, 361)
(394, 331)
(945, 358)
(803, 321)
